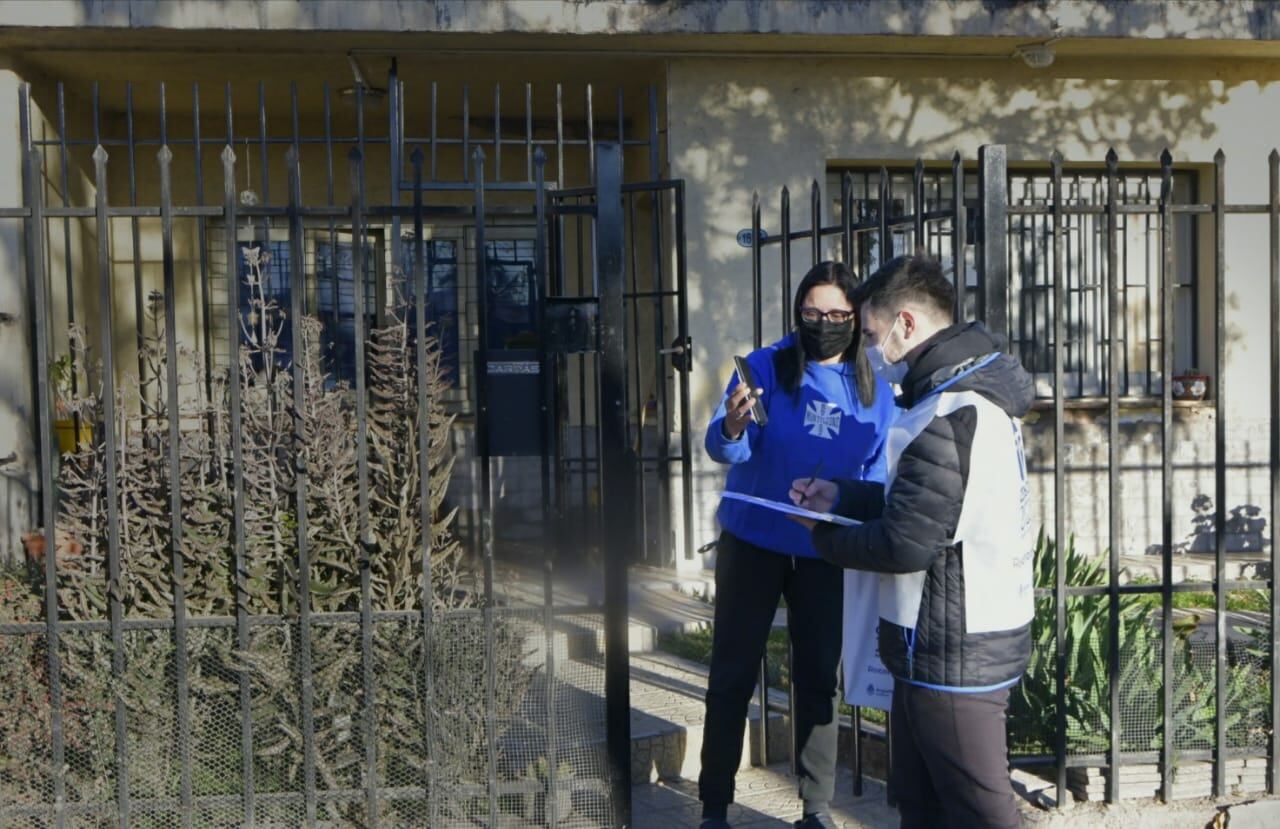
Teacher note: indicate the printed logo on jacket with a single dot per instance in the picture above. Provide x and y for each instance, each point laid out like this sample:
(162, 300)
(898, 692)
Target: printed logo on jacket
(822, 419)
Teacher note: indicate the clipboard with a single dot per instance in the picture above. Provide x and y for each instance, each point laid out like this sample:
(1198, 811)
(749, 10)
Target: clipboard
(791, 509)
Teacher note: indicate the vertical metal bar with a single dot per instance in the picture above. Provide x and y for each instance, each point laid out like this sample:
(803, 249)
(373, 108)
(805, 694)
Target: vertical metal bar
(395, 107)
(660, 329)
(545, 391)
(993, 244)
(497, 132)
(528, 132)
(332, 277)
(855, 750)
(757, 283)
(108, 426)
(1059, 484)
(917, 214)
(617, 476)
(368, 545)
(560, 135)
(173, 418)
(1113, 476)
(886, 206)
(138, 314)
(466, 131)
(757, 340)
(591, 136)
(433, 133)
(483, 425)
(1220, 475)
(784, 314)
(38, 289)
(1168, 267)
(264, 176)
(206, 322)
(846, 221)
(297, 289)
(68, 280)
(237, 476)
(815, 217)
(424, 478)
(686, 423)
(960, 238)
(1273, 782)
(641, 405)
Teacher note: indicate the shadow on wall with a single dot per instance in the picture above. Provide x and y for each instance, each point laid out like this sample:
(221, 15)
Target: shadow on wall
(1244, 530)
(759, 125)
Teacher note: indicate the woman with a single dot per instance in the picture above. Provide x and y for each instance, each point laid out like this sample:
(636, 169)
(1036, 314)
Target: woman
(826, 412)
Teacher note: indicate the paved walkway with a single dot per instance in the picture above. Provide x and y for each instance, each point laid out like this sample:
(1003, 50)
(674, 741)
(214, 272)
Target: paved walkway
(766, 799)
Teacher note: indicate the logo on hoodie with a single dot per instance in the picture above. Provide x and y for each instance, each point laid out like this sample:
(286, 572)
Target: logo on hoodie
(822, 419)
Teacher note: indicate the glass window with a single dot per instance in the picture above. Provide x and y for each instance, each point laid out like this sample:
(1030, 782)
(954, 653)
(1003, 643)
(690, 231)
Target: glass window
(1084, 246)
(336, 304)
(442, 295)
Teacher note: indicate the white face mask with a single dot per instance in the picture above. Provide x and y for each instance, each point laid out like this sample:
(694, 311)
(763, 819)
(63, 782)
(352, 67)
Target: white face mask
(893, 373)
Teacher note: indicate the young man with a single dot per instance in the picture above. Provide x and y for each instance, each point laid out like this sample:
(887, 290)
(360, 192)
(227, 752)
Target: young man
(950, 534)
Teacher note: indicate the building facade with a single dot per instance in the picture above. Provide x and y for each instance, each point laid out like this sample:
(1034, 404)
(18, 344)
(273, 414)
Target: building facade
(733, 98)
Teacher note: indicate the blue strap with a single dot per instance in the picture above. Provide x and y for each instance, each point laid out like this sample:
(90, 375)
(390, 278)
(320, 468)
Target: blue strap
(958, 689)
(956, 378)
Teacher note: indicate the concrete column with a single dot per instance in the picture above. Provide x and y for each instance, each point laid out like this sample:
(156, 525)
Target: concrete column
(19, 459)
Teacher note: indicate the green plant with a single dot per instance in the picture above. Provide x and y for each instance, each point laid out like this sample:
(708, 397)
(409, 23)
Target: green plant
(1086, 651)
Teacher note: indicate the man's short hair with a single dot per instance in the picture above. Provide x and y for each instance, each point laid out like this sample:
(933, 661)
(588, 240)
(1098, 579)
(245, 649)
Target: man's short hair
(908, 280)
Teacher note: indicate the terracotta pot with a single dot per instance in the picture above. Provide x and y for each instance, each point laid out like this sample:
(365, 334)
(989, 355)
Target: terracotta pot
(1190, 386)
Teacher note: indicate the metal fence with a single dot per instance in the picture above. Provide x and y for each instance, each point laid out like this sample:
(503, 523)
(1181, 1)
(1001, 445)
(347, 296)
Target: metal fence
(1156, 672)
(252, 606)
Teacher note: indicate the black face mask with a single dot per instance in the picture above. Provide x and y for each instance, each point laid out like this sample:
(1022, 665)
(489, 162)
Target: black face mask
(823, 340)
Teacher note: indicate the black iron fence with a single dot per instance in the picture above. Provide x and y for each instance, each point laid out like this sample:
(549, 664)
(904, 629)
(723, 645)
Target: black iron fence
(1170, 673)
(251, 605)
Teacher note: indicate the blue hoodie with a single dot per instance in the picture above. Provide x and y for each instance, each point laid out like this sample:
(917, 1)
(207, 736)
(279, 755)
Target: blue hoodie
(824, 422)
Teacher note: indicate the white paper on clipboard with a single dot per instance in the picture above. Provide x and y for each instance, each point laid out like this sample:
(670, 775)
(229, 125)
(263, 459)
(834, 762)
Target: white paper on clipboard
(790, 509)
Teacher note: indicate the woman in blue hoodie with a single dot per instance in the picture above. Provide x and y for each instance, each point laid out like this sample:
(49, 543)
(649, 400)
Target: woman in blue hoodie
(826, 410)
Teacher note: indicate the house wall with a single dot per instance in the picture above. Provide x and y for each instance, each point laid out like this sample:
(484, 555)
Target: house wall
(69, 249)
(738, 126)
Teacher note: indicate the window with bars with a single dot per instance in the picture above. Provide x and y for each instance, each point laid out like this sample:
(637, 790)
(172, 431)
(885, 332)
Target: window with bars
(1139, 333)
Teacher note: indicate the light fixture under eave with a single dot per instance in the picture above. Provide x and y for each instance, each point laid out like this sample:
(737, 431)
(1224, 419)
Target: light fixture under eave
(370, 92)
(1037, 55)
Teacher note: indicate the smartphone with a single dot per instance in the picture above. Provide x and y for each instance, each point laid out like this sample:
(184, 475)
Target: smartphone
(744, 374)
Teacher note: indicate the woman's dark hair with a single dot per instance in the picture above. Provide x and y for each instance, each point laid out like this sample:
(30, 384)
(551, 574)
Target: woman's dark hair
(789, 363)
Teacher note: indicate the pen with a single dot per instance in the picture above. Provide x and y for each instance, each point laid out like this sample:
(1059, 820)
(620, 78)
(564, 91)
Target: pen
(813, 476)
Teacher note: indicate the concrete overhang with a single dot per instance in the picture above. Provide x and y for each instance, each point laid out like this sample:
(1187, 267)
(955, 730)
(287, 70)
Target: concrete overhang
(817, 28)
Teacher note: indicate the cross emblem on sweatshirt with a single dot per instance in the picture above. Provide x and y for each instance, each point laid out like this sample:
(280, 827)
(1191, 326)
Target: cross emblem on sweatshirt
(822, 419)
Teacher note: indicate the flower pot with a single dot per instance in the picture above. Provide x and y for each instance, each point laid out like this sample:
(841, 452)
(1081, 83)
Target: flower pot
(68, 439)
(1190, 386)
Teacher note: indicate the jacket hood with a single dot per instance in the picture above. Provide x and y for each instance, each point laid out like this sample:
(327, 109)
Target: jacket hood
(956, 348)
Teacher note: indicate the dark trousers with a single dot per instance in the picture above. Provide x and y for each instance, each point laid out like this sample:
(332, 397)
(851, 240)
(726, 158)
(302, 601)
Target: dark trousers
(950, 759)
(749, 582)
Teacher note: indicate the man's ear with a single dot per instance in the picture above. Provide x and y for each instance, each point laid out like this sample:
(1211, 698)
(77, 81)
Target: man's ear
(908, 323)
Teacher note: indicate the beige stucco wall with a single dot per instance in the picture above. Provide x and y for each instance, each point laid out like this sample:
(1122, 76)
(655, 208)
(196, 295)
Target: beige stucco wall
(743, 125)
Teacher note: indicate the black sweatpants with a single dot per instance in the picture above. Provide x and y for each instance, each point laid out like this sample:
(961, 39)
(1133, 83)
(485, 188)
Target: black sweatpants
(950, 759)
(749, 582)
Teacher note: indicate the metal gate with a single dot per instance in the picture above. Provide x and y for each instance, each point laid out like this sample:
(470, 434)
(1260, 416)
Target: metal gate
(1173, 672)
(247, 602)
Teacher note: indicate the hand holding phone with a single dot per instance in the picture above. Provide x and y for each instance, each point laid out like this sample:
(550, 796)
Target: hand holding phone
(751, 403)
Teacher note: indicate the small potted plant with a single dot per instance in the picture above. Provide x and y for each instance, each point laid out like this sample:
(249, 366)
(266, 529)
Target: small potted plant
(1190, 385)
(72, 433)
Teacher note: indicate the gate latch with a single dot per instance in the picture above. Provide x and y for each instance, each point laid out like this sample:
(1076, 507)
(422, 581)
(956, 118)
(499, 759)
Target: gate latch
(681, 353)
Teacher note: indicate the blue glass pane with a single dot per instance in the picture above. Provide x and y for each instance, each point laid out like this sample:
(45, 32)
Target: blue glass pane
(441, 279)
